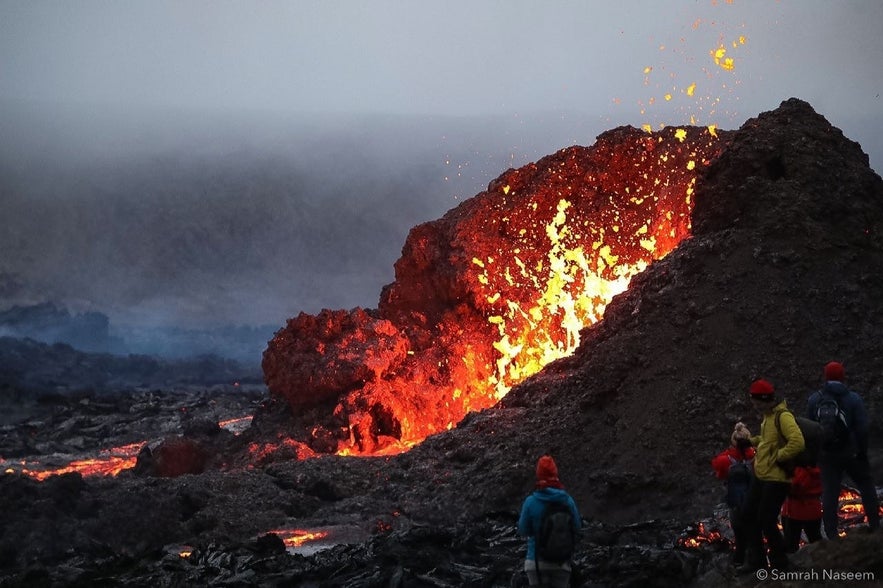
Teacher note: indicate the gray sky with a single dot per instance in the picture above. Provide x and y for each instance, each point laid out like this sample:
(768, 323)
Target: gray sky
(504, 57)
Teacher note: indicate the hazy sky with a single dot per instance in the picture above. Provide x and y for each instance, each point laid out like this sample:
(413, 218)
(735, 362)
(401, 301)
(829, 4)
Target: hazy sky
(80, 78)
(504, 57)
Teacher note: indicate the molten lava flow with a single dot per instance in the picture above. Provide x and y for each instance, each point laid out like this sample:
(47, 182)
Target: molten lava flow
(109, 462)
(294, 538)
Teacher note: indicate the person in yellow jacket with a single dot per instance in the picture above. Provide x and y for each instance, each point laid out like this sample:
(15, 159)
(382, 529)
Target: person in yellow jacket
(771, 482)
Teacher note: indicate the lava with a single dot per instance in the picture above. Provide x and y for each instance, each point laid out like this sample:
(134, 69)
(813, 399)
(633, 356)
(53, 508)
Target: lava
(489, 294)
(109, 462)
(299, 537)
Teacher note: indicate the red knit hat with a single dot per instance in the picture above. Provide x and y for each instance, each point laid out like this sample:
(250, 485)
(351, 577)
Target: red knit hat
(834, 371)
(547, 473)
(762, 390)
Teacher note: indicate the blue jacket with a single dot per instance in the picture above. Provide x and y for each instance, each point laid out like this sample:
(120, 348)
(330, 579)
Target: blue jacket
(852, 406)
(532, 514)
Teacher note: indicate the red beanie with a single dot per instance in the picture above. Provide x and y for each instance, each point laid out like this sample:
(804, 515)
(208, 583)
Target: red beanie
(761, 389)
(547, 473)
(834, 371)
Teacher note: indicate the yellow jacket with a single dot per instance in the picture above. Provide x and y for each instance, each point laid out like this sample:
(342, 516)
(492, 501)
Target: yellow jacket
(772, 449)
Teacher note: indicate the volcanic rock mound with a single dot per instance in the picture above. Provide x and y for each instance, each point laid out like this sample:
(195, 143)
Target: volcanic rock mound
(782, 274)
(490, 293)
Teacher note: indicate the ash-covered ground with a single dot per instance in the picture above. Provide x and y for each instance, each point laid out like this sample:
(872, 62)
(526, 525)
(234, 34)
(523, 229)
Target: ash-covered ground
(782, 273)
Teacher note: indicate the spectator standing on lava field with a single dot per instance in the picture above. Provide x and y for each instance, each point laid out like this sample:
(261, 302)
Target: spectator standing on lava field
(771, 482)
(844, 449)
(549, 500)
(802, 511)
(735, 464)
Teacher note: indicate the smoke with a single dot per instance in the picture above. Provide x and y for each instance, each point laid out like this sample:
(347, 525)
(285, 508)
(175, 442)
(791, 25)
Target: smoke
(164, 221)
(161, 221)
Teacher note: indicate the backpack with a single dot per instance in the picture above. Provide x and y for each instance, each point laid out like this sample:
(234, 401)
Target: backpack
(556, 539)
(835, 428)
(812, 442)
(738, 480)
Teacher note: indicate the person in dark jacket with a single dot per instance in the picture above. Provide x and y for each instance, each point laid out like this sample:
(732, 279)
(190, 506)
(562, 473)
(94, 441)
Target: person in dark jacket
(849, 456)
(548, 489)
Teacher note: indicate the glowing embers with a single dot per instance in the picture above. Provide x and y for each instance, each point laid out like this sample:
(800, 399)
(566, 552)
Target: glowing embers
(699, 535)
(850, 510)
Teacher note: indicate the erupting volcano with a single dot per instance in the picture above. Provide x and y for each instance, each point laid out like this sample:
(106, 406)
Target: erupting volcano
(762, 249)
(490, 293)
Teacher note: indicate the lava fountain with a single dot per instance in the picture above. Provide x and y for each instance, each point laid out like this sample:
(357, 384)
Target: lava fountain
(487, 295)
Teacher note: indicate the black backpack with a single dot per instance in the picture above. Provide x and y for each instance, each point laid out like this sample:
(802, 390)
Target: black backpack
(812, 442)
(835, 427)
(738, 481)
(556, 539)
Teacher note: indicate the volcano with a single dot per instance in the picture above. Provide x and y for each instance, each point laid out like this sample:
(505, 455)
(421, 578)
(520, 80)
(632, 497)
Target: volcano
(490, 293)
(608, 305)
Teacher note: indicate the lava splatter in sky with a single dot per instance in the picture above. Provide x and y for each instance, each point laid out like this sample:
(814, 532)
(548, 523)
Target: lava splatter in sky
(692, 73)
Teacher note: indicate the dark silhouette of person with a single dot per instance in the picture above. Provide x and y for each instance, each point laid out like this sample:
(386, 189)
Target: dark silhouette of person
(548, 490)
(847, 455)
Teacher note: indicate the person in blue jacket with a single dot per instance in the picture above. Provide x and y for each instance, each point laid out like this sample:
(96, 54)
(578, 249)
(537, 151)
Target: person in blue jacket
(548, 490)
(844, 456)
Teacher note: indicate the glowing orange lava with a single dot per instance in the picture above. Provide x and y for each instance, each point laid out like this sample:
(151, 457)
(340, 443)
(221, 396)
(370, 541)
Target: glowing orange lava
(299, 537)
(109, 462)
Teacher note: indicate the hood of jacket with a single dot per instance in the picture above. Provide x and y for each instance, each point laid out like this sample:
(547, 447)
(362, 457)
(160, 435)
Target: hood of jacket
(836, 389)
(551, 495)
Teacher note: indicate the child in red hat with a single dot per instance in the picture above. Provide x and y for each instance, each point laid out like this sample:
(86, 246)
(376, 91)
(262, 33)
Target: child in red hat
(737, 459)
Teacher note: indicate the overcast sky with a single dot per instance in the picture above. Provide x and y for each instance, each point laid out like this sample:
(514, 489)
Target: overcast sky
(616, 59)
